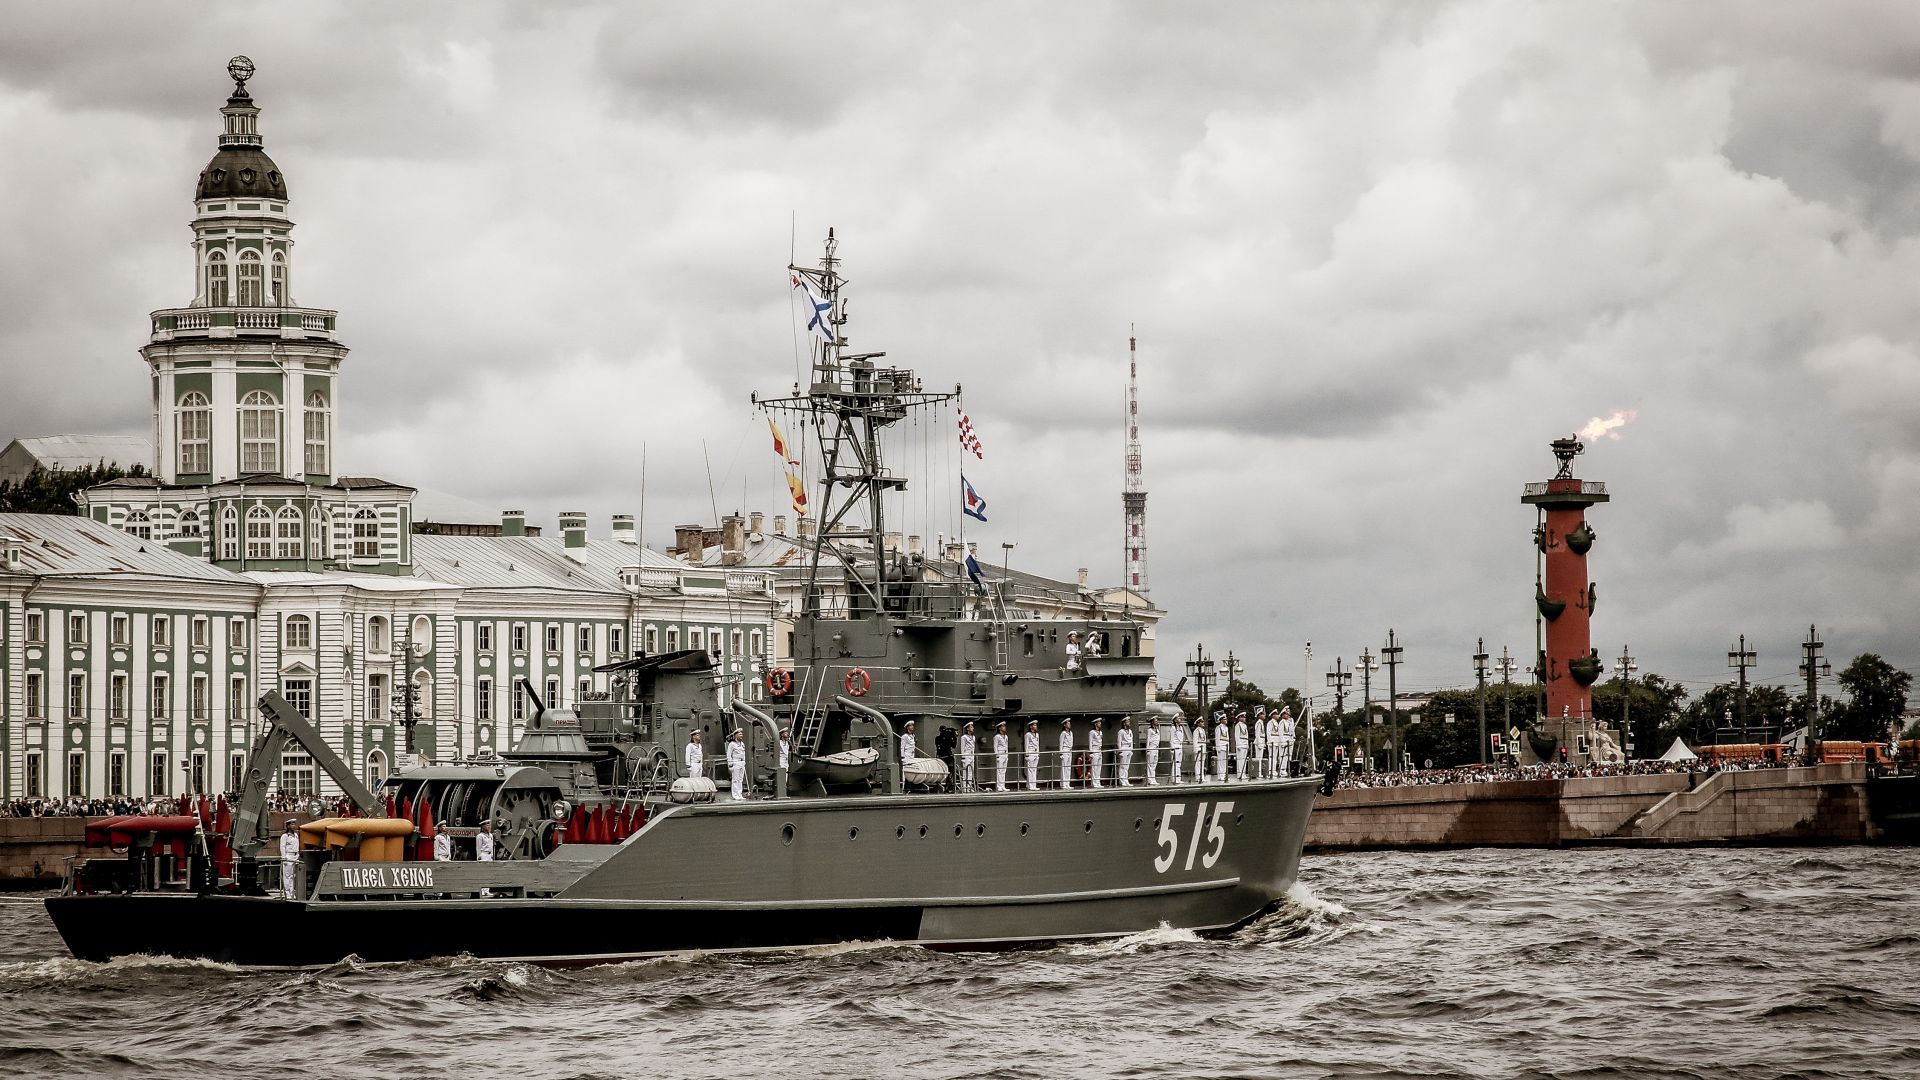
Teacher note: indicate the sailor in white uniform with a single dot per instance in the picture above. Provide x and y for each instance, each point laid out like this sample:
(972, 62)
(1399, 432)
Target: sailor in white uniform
(1153, 750)
(969, 742)
(1200, 750)
(908, 750)
(1220, 747)
(483, 842)
(1176, 742)
(1258, 731)
(289, 859)
(1280, 758)
(1066, 753)
(442, 843)
(1000, 756)
(1289, 730)
(786, 747)
(1123, 744)
(1240, 745)
(1073, 652)
(1096, 741)
(696, 757)
(1031, 755)
(737, 764)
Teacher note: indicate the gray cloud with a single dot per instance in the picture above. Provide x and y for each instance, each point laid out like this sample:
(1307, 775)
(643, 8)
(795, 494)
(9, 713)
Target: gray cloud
(1377, 256)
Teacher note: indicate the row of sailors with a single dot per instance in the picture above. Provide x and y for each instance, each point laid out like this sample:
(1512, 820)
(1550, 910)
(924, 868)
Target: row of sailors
(1261, 749)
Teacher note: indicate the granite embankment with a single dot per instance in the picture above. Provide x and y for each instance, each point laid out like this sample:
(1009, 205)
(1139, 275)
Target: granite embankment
(1822, 804)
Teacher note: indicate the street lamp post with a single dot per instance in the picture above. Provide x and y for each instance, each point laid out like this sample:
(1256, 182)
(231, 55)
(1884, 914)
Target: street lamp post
(1200, 670)
(1480, 677)
(1506, 666)
(1368, 665)
(1625, 667)
(1233, 668)
(1812, 666)
(1390, 656)
(1743, 658)
(1339, 679)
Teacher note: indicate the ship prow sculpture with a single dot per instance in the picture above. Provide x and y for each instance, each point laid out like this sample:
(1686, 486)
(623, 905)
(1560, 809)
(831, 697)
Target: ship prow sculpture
(605, 845)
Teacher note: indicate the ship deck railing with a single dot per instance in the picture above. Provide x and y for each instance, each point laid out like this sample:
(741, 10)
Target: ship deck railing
(1057, 771)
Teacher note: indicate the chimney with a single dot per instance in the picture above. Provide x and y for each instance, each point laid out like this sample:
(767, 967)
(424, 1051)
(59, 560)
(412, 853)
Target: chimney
(573, 528)
(691, 541)
(779, 524)
(892, 540)
(804, 525)
(733, 540)
(756, 522)
(623, 529)
(914, 545)
(956, 551)
(513, 523)
(1081, 575)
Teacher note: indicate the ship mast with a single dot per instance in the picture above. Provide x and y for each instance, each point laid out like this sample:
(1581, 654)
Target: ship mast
(849, 402)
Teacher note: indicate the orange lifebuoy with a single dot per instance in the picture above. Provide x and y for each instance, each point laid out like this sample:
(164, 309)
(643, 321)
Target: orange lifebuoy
(779, 681)
(858, 682)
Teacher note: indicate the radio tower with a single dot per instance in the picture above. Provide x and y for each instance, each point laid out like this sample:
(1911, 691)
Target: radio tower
(1134, 498)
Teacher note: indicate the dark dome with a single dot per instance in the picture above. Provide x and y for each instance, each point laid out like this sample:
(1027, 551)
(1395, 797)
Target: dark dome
(241, 172)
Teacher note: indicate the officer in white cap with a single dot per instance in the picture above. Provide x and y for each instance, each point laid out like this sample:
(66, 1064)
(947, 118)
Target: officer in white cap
(696, 757)
(1096, 743)
(908, 750)
(1031, 756)
(1000, 756)
(969, 742)
(1200, 749)
(442, 843)
(483, 842)
(1153, 749)
(1220, 747)
(737, 763)
(1176, 742)
(1073, 652)
(289, 858)
(786, 746)
(1123, 752)
(1258, 731)
(1289, 730)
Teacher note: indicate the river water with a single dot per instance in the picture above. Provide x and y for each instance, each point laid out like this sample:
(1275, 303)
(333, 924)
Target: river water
(1742, 963)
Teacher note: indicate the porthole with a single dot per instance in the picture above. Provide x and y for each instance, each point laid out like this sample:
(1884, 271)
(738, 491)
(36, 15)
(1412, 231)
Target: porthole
(899, 832)
(958, 828)
(786, 834)
(923, 832)
(1023, 828)
(1137, 823)
(980, 829)
(1238, 818)
(1156, 824)
(1088, 827)
(853, 833)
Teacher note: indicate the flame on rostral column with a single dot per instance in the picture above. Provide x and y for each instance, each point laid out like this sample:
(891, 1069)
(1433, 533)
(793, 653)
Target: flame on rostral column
(1608, 428)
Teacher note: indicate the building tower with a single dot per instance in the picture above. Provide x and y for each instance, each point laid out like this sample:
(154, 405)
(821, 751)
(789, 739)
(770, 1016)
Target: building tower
(1134, 496)
(1564, 595)
(243, 379)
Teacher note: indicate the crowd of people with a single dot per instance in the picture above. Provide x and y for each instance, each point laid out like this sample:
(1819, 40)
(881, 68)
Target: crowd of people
(79, 806)
(1488, 774)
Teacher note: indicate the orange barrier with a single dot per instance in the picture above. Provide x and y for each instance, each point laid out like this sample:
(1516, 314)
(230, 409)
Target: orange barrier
(381, 839)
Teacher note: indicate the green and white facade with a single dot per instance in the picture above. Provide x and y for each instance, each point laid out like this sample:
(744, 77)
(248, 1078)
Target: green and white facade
(137, 637)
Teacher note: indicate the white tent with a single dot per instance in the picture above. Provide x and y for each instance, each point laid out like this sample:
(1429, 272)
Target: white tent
(1679, 751)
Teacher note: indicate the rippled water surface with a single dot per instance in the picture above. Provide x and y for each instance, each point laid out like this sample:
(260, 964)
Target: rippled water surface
(1745, 964)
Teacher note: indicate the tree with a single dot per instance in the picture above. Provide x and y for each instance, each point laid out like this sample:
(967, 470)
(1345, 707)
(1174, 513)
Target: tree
(51, 491)
(1654, 706)
(1447, 745)
(1876, 696)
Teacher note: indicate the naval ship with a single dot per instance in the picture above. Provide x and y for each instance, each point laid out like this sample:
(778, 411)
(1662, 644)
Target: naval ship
(605, 847)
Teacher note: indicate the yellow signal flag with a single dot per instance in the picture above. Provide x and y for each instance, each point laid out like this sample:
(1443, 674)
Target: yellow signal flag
(798, 489)
(780, 445)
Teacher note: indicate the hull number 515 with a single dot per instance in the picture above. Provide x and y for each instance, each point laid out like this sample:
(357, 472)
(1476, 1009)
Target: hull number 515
(1205, 832)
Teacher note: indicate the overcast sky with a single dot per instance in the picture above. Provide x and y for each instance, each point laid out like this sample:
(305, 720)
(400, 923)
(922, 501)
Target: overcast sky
(1378, 255)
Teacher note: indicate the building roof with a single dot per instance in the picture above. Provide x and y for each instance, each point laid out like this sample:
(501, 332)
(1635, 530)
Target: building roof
(241, 172)
(80, 451)
(518, 562)
(363, 582)
(57, 545)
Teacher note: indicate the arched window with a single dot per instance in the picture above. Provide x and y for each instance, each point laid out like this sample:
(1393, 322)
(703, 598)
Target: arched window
(229, 533)
(189, 524)
(251, 281)
(319, 542)
(376, 767)
(319, 425)
(194, 425)
(217, 279)
(259, 533)
(299, 632)
(259, 433)
(377, 635)
(280, 279)
(420, 636)
(289, 533)
(140, 525)
(366, 534)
